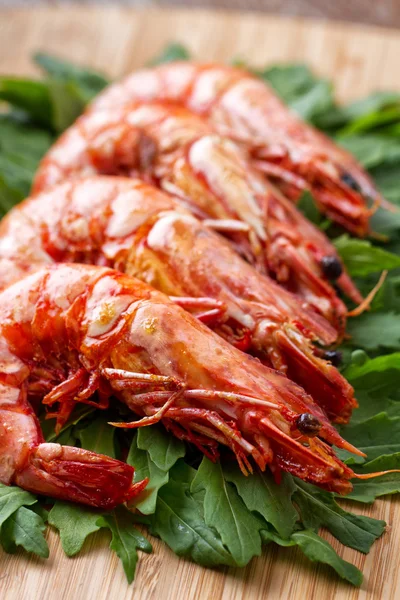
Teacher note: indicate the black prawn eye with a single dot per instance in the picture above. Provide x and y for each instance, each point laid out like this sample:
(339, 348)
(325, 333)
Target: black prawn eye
(334, 356)
(308, 425)
(349, 180)
(331, 267)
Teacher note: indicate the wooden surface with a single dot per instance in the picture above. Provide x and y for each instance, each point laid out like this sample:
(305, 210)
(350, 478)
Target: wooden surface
(375, 12)
(359, 60)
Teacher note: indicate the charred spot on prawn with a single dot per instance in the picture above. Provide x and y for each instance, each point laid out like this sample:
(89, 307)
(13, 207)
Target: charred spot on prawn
(334, 356)
(349, 180)
(308, 424)
(147, 150)
(331, 267)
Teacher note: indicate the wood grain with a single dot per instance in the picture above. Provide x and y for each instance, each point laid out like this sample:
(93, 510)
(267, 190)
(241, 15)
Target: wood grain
(117, 40)
(377, 12)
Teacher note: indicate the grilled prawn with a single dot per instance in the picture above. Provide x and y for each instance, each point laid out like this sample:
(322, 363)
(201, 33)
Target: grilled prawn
(246, 109)
(133, 227)
(26, 460)
(211, 175)
(79, 333)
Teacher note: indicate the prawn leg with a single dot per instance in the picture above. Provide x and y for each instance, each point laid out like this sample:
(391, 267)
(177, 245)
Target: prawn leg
(64, 472)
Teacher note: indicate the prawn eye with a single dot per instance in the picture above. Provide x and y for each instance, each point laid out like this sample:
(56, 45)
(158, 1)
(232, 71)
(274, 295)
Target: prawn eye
(334, 356)
(308, 425)
(331, 267)
(349, 180)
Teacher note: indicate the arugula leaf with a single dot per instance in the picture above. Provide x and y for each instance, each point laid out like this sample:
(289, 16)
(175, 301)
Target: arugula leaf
(67, 434)
(52, 104)
(357, 371)
(18, 138)
(89, 82)
(67, 103)
(30, 95)
(289, 81)
(375, 331)
(376, 384)
(146, 467)
(358, 110)
(74, 522)
(372, 150)
(180, 523)
(367, 490)
(308, 207)
(11, 499)
(318, 508)
(314, 102)
(164, 449)
(21, 148)
(261, 493)
(24, 528)
(362, 258)
(387, 298)
(319, 550)
(298, 87)
(373, 121)
(126, 539)
(171, 53)
(98, 437)
(386, 179)
(225, 511)
(376, 436)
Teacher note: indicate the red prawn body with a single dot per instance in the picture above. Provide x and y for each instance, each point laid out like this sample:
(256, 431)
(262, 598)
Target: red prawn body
(243, 107)
(133, 227)
(213, 178)
(68, 331)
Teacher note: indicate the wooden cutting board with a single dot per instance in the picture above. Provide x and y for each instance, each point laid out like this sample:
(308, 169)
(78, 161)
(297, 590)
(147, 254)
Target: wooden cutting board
(359, 60)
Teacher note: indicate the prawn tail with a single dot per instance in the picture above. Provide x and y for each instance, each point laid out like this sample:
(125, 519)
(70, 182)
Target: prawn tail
(78, 475)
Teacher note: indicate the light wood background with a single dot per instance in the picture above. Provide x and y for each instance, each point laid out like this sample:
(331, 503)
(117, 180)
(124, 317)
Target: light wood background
(375, 12)
(117, 40)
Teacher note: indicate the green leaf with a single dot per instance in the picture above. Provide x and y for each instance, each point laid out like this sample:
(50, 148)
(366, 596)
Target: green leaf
(53, 104)
(11, 499)
(89, 81)
(318, 508)
(74, 522)
(376, 436)
(261, 493)
(126, 539)
(21, 148)
(376, 384)
(225, 511)
(289, 81)
(373, 371)
(367, 490)
(319, 550)
(373, 121)
(25, 528)
(145, 467)
(98, 437)
(18, 138)
(362, 258)
(372, 150)
(308, 207)
(179, 521)
(386, 178)
(67, 431)
(268, 535)
(30, 95)
(67, 103)
(341, 115)
(164, 449)
(171, 53)
(314, 102)
(375, 331)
